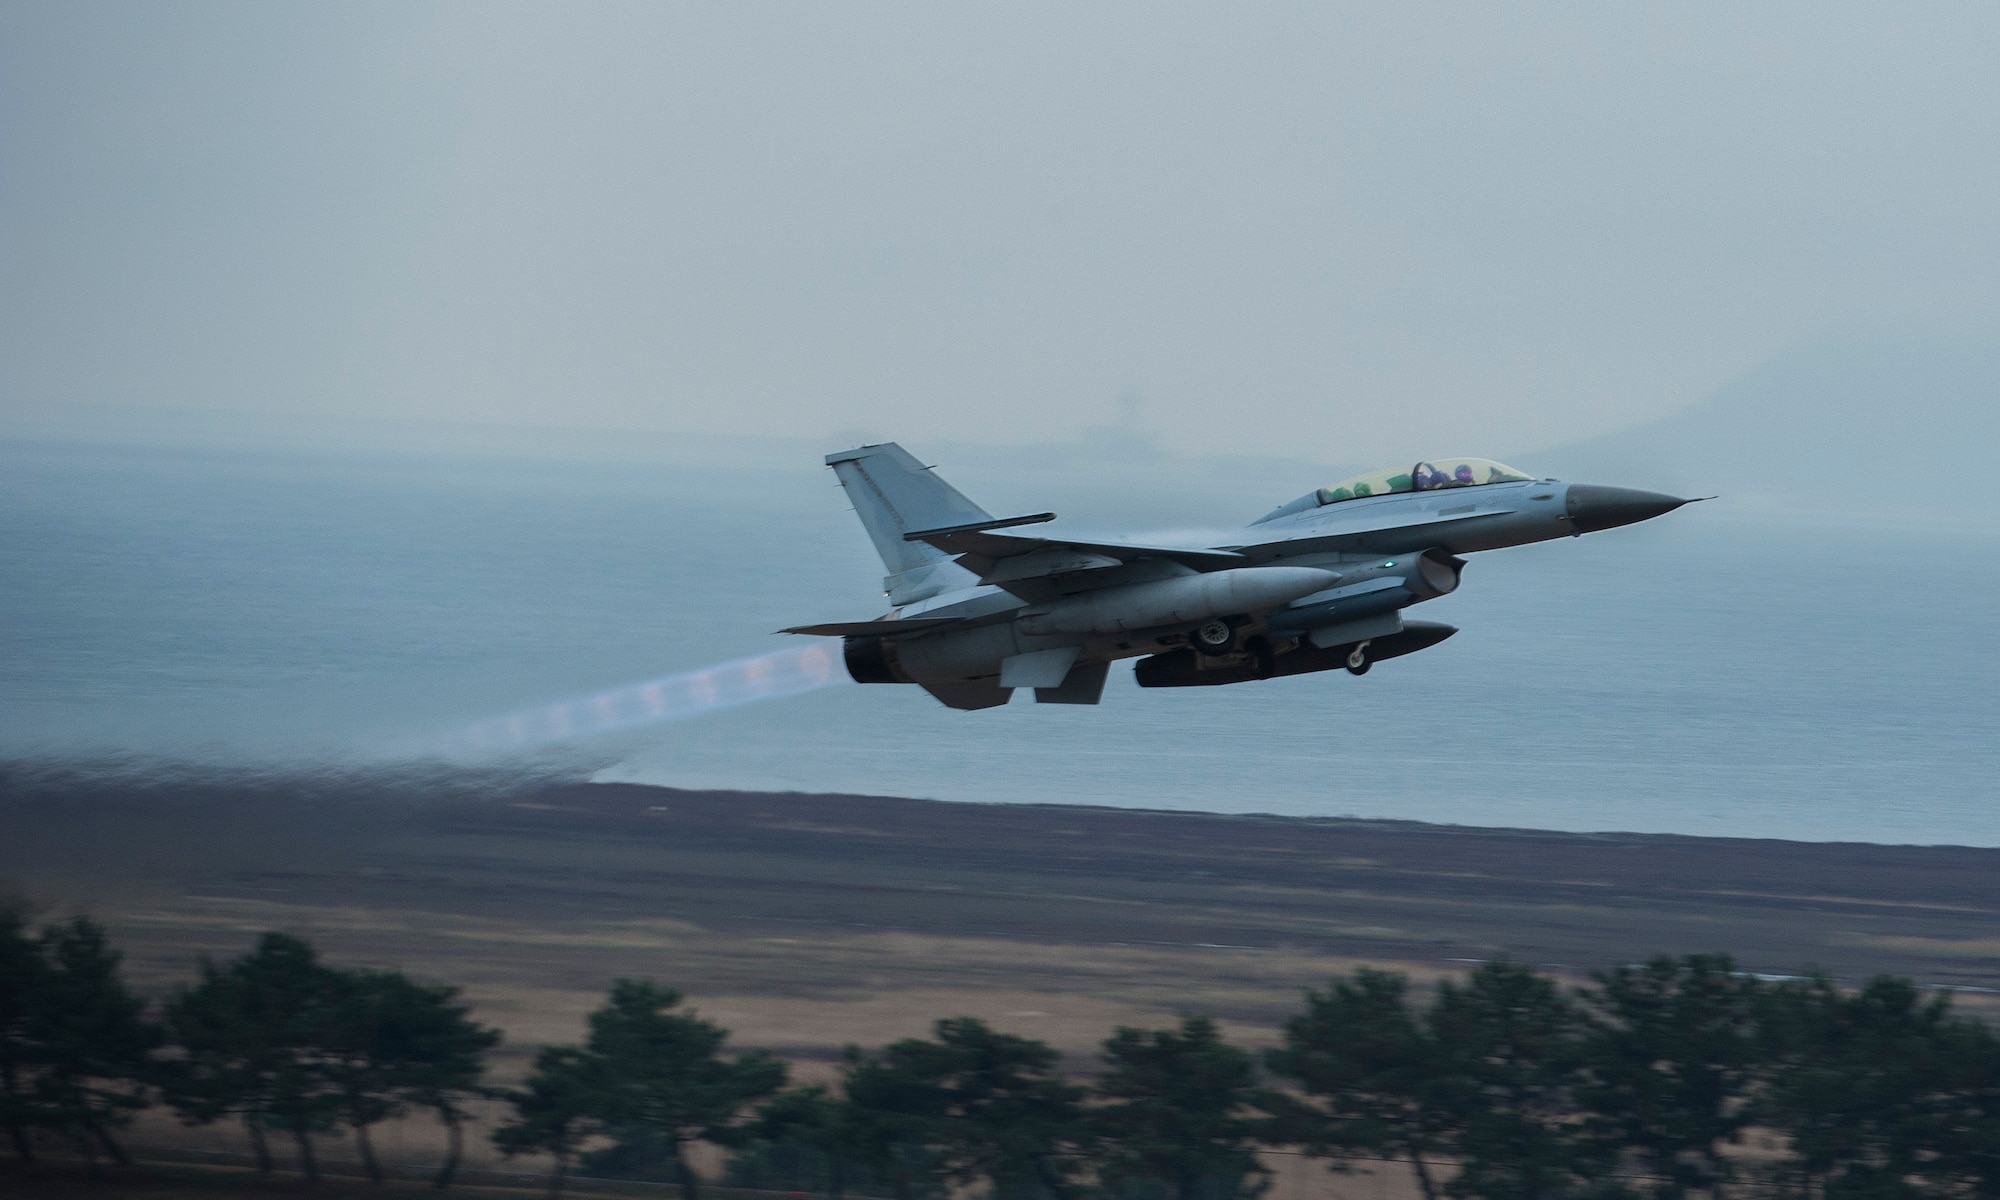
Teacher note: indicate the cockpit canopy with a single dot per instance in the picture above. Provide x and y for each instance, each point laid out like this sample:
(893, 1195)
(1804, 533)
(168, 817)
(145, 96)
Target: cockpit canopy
(1424, 477)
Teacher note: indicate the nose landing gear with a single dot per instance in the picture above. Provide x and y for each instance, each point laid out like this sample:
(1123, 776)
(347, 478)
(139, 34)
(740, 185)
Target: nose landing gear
(1357, 659)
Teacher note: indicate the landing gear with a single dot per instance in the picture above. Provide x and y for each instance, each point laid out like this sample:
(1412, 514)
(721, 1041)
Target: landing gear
(1357, 660)
(1263, 653)
(1214, 637)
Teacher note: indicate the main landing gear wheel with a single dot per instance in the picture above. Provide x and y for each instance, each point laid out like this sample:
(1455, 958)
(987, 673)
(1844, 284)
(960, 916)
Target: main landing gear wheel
(1357, 660)
(1213, 637)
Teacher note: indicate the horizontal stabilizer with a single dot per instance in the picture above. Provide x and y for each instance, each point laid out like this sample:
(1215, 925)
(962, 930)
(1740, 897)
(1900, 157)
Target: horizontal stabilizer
(864, 628)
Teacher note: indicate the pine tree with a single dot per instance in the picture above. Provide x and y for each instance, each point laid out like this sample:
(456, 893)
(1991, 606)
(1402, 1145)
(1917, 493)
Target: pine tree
(1004, 1115)
(393, 1044)
(22, 971)
(1508, 1063)
(1880, 1094)
(1181, 1110)
(253, 1035)
(439, 1054)
(802, 1138)
(894, 1108)
(96, 1044)
(1671, 1058)
(662, 1081)
(553, 1111)
(1368, 1073)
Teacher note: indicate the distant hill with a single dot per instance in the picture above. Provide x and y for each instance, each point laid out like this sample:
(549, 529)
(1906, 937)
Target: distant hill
(1826, 424)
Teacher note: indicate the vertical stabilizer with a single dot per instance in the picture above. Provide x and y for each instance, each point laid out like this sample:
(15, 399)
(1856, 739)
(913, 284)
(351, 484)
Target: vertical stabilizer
(893, 494)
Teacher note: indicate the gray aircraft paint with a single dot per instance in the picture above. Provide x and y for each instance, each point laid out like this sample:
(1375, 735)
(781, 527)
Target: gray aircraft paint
(980, 608)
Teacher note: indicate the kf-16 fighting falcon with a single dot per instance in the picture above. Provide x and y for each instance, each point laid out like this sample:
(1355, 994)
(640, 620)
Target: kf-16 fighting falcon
(1313, 585)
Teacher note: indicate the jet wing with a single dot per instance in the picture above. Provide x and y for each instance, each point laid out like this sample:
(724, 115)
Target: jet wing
(1000, 558)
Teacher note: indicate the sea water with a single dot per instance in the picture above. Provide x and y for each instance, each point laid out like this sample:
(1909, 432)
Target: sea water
(1815, 675)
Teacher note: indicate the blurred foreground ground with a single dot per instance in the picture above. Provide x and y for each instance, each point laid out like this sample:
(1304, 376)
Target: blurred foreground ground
(180, 1181)
(807, 922)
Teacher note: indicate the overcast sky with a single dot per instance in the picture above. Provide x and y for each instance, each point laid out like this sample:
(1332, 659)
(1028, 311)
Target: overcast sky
(1337, 231)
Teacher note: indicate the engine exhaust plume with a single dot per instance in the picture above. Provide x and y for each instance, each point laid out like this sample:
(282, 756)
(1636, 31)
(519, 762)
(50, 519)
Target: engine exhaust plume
(792, 671)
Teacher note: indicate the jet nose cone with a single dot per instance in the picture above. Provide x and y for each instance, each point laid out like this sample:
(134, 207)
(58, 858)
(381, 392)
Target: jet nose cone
(1592, 507)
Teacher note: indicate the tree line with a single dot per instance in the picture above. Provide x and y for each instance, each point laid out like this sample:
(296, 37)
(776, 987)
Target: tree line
(1656, 1080)
(274, 1039)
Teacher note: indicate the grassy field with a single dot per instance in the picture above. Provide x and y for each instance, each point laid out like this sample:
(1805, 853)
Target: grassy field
(807, 922)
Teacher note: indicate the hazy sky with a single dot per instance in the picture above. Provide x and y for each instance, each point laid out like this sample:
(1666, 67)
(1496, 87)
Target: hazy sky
(1333, 230)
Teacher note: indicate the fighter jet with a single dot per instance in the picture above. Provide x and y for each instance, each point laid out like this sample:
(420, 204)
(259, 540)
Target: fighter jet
(978, 609)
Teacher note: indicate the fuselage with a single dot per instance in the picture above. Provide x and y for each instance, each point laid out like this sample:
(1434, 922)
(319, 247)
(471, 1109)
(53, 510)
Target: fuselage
(1357, 540)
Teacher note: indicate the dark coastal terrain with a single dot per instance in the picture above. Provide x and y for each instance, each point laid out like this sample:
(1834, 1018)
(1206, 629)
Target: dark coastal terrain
(806, 922)
(493, 883)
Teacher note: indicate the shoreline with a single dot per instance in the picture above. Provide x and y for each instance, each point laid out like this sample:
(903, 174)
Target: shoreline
(32, 777)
